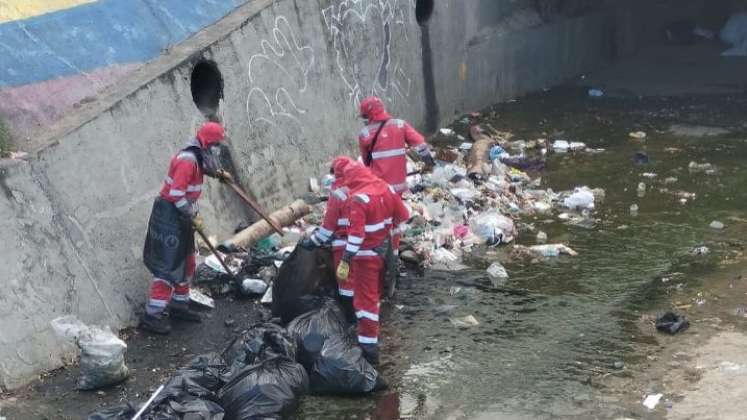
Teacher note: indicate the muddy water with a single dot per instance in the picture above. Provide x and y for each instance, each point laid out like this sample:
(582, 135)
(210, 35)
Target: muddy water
(545, 340)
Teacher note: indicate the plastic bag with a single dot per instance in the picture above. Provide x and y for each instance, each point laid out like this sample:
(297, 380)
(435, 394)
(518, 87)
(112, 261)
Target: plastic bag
(494, 228)
(205, 370)
(672, 323)
(259, 343)
(270, 389)
(312, 329)
(303, 273)
(101, 352)
(340, 369)
(581, 198)
(120, 412)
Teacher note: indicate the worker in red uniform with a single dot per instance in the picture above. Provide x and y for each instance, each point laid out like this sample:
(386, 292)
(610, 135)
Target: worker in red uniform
(373, 208)
(334, 228)
(383, 144)
(169, 247)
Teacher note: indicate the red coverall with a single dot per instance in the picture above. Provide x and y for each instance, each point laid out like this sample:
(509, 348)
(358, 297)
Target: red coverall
(182, 186)
(388, 159)
(373, 209)
(335, 224)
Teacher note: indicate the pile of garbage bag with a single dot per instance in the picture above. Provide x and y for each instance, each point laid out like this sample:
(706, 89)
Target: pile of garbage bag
(263, 372)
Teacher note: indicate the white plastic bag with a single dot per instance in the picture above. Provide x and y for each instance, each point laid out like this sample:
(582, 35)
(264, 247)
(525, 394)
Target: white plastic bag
(582, 198)
(101, 352)
(493, 228)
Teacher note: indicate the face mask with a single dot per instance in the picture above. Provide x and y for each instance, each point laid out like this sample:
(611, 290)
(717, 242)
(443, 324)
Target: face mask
(211, 160)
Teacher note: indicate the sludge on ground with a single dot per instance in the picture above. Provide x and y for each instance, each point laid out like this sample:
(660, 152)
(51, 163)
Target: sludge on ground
(547, 345)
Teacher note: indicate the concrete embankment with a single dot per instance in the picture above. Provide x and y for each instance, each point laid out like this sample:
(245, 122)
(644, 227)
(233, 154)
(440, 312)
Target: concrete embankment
(285, 76)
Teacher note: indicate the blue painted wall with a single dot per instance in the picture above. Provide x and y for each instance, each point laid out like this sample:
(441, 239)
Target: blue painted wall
(99, 34)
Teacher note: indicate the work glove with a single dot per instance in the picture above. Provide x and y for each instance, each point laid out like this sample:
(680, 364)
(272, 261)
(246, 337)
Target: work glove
(343, 271)
(224, 176)
(198, 223)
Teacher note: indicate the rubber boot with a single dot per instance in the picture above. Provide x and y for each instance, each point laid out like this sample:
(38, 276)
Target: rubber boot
(371, 354)
(157, 324)
(347, 307)
(180, 311)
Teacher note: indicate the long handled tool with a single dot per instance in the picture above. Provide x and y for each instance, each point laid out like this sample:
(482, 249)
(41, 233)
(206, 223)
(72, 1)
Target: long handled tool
(241, 193)
(214, 251)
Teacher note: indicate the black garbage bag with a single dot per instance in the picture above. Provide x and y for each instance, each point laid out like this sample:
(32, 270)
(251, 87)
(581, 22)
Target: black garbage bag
(267, 390)
(340, 369)
(312, 329)
(183, 398)
(261, 342)
(205, 370)
(120, 412)
(170, 238)
(672, 323)
(303, 273)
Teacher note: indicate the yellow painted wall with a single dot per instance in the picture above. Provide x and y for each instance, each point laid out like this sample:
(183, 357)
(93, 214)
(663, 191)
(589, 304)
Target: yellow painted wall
(22, 9)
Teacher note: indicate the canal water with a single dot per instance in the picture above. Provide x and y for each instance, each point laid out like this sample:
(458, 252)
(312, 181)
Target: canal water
(545, 339)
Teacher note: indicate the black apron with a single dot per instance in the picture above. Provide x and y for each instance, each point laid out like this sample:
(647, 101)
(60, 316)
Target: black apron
(168, 242)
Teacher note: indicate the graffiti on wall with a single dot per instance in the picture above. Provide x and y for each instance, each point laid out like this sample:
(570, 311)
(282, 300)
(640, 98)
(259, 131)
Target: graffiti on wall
(378, 25)
(285, 54)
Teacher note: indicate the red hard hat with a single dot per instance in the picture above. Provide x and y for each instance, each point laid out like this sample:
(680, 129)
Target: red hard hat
(373, 109)
(210, 133)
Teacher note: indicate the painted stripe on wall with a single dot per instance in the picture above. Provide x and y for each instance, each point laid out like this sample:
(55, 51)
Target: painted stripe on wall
(24, 9)
(100, 34)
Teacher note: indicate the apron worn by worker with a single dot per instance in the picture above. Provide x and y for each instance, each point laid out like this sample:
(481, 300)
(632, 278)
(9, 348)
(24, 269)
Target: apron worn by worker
(169, 240)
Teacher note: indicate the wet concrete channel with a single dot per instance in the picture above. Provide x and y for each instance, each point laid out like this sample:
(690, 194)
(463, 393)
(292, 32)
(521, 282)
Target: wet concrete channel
(571, 338)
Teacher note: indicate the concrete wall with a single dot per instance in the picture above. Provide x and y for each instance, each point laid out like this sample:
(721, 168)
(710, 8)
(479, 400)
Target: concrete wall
(293, 73)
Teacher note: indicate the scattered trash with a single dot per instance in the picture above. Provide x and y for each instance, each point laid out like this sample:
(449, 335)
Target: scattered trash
(618, 365)
(494, 228)
(312, 329)
(671, 322)
(552, 250)
(670, 180)
(649, 175)
(695, 168)
(637, 135)
(541, 237)
(634, 210)
(253, 287)
(101, 352)
(18, 155)
(497, 152)
(340, 369)
(716, 225)
(652, 401)
(596, 93)
(561, 146)
(465, 322)
(201, 299)
(641, 158)
(465, 146)
(314, 185)
(582, 198)
(498, 274)
(641, 190)
(447, 131)
(700, 250)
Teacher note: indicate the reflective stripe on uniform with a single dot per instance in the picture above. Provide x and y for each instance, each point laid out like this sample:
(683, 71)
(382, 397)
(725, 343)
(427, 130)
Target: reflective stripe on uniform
(355, 240)
(168, 180)
(375, 228)
(177, 193)
(194, 188)
(368, 315)
(366, 253)
(388, 154)
(343, 222)
(346, 292)
(368, 340)
(337, 243)
(363, 198)
(352, 248)
(181, 203)
(187, 156)
(340, 194)
(324, 233)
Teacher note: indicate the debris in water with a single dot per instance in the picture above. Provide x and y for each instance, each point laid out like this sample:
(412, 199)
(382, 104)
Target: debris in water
(541, 237)
(700, 250)
(672, 323)
(634, 210)
(465, 322)
(652, 401)
(716, 225)
(695, 168)
(637, 135)
(498, 274)
(649, 175)
(596, 93)
(670, 180)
